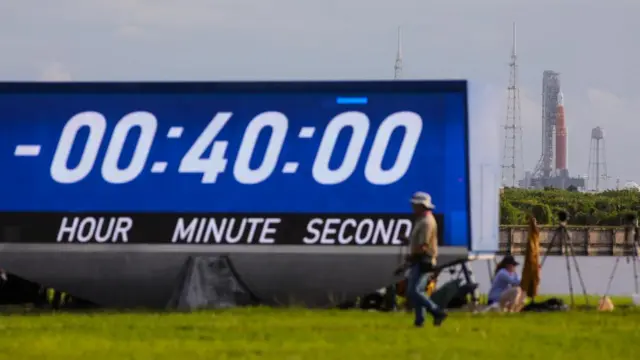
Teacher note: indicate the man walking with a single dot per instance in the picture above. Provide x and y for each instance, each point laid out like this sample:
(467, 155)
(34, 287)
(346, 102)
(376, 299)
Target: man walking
(423, 252)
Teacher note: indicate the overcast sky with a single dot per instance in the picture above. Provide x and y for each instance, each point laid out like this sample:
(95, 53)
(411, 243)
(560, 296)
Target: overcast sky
(593, 44)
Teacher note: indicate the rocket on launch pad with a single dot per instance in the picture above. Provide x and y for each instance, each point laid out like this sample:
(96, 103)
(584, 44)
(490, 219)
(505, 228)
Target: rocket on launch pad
(561, 135)
(553, 168)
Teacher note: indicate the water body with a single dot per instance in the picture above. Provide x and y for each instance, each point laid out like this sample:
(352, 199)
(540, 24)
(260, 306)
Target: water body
(595, 271)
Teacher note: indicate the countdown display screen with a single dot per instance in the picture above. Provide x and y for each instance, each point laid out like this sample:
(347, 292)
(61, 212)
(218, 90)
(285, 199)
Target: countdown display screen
(303, 163)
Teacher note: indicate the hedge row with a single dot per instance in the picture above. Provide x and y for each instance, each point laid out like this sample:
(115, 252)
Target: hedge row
(609, 208)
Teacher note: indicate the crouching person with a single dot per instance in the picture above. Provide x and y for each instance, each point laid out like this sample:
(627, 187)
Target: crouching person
(505, 293)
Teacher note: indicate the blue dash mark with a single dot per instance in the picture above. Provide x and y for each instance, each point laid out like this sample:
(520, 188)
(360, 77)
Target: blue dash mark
(352, 100)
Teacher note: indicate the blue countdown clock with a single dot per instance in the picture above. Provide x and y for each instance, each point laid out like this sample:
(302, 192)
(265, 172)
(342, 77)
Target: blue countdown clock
(316, 157)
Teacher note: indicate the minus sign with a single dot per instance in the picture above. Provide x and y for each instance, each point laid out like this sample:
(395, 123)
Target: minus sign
(352, 100)
(27, 150)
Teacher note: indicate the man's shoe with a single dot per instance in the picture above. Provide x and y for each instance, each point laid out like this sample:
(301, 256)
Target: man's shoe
(439, 318)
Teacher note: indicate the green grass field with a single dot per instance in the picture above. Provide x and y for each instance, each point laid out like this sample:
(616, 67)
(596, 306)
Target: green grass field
(262, 333)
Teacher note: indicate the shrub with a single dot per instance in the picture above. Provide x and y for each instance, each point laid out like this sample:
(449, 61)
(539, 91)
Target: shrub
(607, 208)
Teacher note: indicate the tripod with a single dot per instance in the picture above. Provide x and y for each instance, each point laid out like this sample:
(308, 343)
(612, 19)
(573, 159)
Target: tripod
(562, 236)
(630, 247)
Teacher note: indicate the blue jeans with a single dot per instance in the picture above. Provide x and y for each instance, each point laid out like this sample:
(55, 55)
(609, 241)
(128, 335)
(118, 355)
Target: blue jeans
(416, 285)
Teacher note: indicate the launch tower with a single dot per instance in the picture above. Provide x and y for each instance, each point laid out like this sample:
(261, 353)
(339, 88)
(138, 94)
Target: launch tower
(550, 97)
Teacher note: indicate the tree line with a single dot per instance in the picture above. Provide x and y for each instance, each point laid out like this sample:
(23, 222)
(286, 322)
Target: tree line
(608, 208)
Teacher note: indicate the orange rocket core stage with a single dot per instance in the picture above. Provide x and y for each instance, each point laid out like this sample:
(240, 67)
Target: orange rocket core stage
(561, 135)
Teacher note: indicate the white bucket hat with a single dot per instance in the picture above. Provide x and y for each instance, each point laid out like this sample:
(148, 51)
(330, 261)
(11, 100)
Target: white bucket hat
(422, 198)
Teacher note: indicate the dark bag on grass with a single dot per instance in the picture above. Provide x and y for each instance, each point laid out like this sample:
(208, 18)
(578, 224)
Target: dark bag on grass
(373, 301)
(553, 304)
(447, 292)
(462, 297)
(453, 294)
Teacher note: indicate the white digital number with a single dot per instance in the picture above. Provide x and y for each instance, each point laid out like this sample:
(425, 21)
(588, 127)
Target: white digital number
(97, 125)
(148, 125)
(241, 169)
(194, 160)
(210, 166)
(412, 124)
(359, 122)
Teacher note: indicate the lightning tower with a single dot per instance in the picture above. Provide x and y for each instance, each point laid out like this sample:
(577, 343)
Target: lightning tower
(398, 66)
(597, 175)
(512, 157)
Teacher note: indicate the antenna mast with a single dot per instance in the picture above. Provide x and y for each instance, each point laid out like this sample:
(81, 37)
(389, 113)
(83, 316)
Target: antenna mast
(512, 159)
(398, 66)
